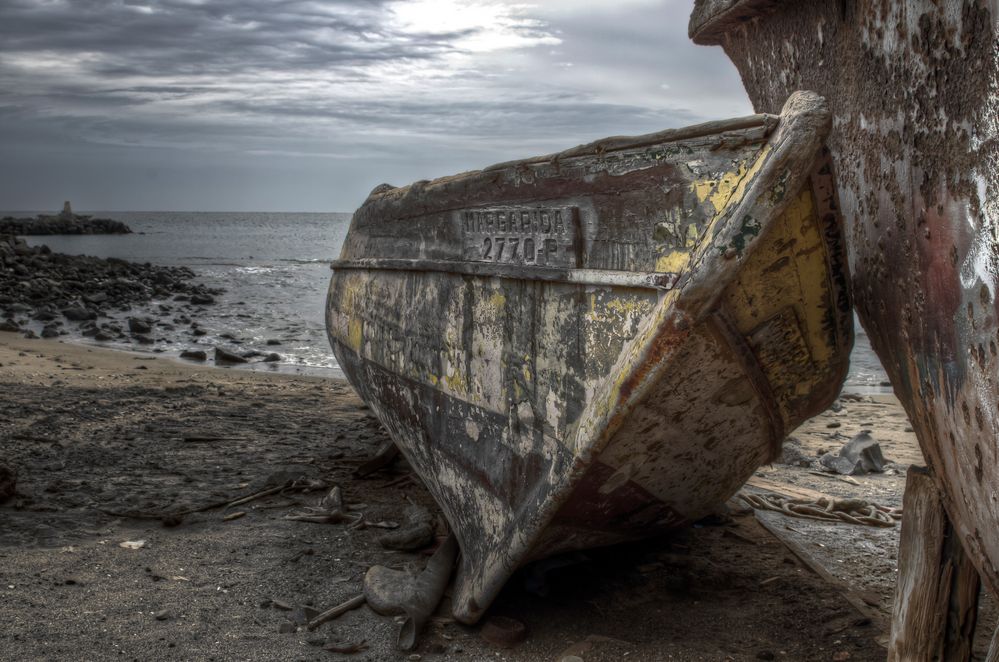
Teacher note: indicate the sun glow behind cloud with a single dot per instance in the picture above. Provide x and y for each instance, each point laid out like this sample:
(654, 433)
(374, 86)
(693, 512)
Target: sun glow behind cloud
(397, 89)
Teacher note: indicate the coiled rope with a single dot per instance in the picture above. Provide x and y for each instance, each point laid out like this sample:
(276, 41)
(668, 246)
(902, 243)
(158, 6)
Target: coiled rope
(826, 509)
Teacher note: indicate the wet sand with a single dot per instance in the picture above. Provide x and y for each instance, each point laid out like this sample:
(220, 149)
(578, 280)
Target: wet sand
(110, 445)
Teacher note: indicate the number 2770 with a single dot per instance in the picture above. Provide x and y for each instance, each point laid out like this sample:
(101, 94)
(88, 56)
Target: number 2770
(515, 249)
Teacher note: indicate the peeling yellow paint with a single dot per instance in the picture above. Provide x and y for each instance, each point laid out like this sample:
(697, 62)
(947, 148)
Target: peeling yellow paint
(355, 337)
(673, 262)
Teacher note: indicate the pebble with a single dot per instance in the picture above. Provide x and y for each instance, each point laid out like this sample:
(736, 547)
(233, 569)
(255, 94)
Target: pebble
(162, 615)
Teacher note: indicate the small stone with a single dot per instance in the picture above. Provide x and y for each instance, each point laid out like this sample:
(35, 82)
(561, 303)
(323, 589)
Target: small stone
(287, 628)
(162, 615)
(202, 299)
(273, 341)
(834, 424)
(137, 325)
(273, 357)
(194, 355)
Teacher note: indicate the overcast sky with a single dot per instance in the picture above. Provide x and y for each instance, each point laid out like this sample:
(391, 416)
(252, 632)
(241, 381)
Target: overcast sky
(287, 105)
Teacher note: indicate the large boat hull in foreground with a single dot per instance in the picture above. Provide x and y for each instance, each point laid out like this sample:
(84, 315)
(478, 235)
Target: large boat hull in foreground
(603, 344)
(913, 86)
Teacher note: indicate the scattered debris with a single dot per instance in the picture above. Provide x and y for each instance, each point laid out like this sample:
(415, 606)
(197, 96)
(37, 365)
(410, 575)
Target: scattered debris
(860, 455)
(132, 544)
(347, 648)
(336, 612)
(394, 592)
(235, 515)
(162, 615)
(417, 533)
(329, 511)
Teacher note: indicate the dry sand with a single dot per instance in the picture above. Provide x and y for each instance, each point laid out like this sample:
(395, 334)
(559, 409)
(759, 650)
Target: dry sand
(108, 444)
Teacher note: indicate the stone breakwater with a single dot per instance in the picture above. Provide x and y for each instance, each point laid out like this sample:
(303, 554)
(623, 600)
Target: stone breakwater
(62, 224)
(56, 292)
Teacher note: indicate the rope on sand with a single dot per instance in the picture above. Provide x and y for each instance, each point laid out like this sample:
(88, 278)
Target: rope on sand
(827, 509)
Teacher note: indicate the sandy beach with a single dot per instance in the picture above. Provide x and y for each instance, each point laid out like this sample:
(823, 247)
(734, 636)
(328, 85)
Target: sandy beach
(109, 447)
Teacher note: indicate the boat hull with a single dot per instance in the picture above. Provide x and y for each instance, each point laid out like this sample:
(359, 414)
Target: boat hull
(681, 307)
(913, 86)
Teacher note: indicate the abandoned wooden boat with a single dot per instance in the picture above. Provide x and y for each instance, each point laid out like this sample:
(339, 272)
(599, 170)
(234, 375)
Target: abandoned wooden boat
(912, 86)
(602, 344)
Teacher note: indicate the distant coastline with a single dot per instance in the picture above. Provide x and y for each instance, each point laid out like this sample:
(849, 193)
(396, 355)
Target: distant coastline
(65, 222)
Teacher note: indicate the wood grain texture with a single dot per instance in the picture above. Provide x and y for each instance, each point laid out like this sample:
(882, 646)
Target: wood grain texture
(936, 596)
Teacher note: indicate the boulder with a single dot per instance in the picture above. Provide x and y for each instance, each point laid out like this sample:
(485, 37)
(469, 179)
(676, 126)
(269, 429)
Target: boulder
(273, 357)
(225, 356)
(860, 455)
(139, 325)
(202, 299)
(78, 314)
(10, 326)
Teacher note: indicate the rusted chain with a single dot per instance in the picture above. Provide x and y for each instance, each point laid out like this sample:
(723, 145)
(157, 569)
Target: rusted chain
(826, 509)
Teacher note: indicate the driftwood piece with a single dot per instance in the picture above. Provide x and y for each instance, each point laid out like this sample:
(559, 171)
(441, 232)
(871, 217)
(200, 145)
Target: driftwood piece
(936, 596)
(400, 592)
(336, 612)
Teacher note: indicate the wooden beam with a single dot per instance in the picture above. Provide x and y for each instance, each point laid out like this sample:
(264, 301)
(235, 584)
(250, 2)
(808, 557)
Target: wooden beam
(993, 655)
(936, 593)
(855, 598)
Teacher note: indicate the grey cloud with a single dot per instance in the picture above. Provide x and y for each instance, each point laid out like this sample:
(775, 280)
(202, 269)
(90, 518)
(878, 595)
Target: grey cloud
(245, 92)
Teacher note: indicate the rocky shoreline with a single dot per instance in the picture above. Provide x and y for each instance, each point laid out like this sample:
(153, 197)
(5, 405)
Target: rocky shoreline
(65, 222)
(65, 291)
(45, 225)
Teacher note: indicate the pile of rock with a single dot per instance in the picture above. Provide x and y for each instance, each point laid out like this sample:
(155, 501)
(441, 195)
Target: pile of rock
(65, 222)
(37, 284)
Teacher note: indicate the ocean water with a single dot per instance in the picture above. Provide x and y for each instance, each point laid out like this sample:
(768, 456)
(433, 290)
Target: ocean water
(275, 270)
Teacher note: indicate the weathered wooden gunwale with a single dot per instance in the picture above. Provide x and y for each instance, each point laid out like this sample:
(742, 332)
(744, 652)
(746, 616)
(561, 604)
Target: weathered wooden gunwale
(654, 280)
(674, 310)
